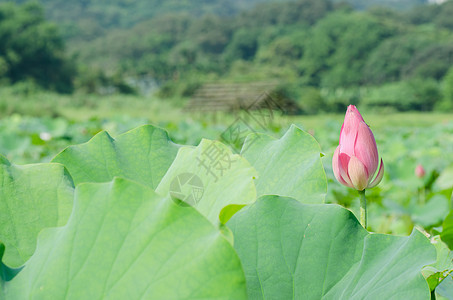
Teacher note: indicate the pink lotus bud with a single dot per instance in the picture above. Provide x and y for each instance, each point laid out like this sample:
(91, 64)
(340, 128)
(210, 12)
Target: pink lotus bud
(356, 159)
(420, 171)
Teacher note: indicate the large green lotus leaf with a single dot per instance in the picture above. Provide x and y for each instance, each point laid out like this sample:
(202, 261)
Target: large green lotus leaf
(212, 179)
(291, 250)
(290, 166)
(32, 197)
(124, 241)
(142, 154)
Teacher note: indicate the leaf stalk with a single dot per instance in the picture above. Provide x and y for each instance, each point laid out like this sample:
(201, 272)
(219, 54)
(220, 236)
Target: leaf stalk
(363, 215)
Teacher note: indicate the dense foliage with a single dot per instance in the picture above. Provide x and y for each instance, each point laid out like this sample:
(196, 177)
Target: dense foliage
(325, 54)
(88, 19)
(340, 55)
(32, 49)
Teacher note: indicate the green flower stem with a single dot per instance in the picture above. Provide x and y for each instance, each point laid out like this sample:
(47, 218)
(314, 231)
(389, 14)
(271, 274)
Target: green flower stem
(363, 209)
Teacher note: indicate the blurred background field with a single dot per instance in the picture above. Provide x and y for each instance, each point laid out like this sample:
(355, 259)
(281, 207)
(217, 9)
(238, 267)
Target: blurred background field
(401, 201)
(69, 69)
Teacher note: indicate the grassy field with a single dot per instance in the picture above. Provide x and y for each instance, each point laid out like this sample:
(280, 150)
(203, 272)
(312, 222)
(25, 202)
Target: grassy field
(82, 107)
(78, 117)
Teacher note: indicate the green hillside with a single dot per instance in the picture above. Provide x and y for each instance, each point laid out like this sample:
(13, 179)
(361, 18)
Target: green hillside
(87, 19)
(324, 54)
(394, 4)
(90, 18)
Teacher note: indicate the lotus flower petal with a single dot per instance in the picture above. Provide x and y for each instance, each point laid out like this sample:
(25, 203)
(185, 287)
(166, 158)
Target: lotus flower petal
(357, 173)
(343, 160)
(348, 134)
(336, 166)
(365, 148)
(378, 177)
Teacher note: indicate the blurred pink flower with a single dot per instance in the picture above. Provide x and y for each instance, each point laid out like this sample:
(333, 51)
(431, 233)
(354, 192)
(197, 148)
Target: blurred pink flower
(419, 171)
(356, 159)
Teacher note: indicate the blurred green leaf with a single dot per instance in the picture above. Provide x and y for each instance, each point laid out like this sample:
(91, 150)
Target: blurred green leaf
(431, 213)
(447, 231)
(445, 179)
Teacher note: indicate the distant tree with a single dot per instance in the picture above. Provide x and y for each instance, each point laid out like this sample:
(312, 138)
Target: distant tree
(422, 14)
(285, 49)
(338, 47)
(445, 17)
(211, 33)
(243, 45)
(431, 62)
(447, 85)
(439, 14)
(184, 54)
(385, 13)
(305, 11)
(397, 5)
(386, 62)
(265, 13)
(32, 49)
(273, 13)
(415, 94)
